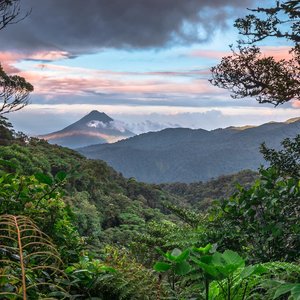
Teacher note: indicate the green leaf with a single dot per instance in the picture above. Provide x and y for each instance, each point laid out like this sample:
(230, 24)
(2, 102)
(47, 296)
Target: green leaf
(161, 266)
(108, 269)
(233, 258)
(283, 289)
(182, 268)
(61, 176)
(253, 270)
(42, 178)
(173, 255)
(207, 265)
(248, 271)
(183, 256)
(203, 250)
(296, 292)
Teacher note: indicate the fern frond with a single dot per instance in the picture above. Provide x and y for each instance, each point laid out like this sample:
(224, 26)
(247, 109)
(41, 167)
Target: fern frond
(30, 266)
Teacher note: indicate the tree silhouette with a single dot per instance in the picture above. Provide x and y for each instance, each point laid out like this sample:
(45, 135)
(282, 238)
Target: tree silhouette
(247, 72)
(14, 90)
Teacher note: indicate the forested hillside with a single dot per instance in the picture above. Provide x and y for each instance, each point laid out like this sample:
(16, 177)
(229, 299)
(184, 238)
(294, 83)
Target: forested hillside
(110, 232)
(107, 206)
(186, 155)
(201, 194)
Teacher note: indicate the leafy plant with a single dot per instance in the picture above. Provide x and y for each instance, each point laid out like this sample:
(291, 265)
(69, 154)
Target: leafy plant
(283, 288)
(229, 275)
(262, 221)
(30, 265)
(39, 197)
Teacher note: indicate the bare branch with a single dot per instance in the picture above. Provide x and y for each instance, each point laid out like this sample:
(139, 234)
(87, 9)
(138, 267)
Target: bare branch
(10, 12)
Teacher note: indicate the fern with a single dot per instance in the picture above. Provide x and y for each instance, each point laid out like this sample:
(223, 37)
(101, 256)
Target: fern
(30, 266)
(262, 287)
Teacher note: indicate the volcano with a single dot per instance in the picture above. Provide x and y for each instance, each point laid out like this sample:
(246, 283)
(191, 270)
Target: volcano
(94, 128)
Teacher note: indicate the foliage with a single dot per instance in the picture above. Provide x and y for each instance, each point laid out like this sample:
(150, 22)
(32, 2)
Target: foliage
(117, 276)
(287, 160)
(39, 198)
(6, 131)
(123, 222)
(14, 92)
(263, 221)
(200, 195)
(203, 273)
(248, 73)
(106, 206)
(30, 266)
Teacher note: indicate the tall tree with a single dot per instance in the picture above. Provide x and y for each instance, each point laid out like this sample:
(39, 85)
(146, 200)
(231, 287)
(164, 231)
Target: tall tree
(249, 73)
(14, 90)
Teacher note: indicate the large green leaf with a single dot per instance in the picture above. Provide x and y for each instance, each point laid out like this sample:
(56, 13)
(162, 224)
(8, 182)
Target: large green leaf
(161, 266)
(293, 288)
(182, 268)
(252, 270)
(232, 258)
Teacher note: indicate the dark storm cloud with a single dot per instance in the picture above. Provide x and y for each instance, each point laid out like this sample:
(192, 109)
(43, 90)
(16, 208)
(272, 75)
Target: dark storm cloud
(81, 26)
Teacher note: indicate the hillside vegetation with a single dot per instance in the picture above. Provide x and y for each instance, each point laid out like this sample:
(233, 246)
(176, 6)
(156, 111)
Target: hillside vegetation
(108, 237)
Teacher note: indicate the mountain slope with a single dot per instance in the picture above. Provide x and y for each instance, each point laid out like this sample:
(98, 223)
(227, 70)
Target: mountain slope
(94, 128)
(186, 155)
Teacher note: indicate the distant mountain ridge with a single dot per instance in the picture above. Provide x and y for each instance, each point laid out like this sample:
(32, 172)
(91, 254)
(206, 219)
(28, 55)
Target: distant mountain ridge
(94, 128)
(190, 155)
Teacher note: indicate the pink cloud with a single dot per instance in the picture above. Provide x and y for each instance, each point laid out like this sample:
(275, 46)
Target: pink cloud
(214, 54)
(278, 52)
(51, 80)
(49, 56)
(62, 84)
(9, 59)
(296, 104)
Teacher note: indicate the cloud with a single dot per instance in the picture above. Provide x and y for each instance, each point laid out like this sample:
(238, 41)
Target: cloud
(42, 119)
(147, 125)
(296, 104)
(278, 52)
(115, 125)
(54, 80)
(9, 59)
(78, 26)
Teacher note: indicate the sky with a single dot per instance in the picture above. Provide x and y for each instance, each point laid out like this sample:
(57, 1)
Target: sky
(143, 62)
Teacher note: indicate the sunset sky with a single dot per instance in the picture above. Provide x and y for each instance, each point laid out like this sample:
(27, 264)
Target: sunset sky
(144, 62)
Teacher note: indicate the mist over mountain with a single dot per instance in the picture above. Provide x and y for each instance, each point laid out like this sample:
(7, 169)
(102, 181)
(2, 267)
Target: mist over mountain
(187, 155)
(94, 128)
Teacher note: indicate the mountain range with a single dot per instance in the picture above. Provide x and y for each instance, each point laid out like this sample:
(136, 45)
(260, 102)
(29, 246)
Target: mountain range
(94, 128)
(190, 155)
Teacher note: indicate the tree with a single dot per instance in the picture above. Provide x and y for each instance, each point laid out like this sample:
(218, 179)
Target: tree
(6, 131)
(14, 90)
(286, 160)
(248, 73)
